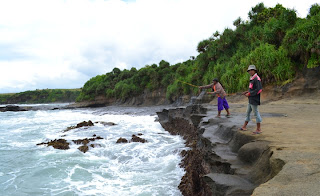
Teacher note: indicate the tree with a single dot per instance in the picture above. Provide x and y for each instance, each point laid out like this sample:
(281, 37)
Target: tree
(203, 45)
(164, 64)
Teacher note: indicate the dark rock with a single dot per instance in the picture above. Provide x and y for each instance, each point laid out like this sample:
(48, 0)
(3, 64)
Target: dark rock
(179, 122)
(61, 144)
(64, 145)
(138, 139)
(122, 140)
(12, 108)
(81, 141)
(85, 141)
(82, 124)
(83, 148)
(106, 123)
(95, 145)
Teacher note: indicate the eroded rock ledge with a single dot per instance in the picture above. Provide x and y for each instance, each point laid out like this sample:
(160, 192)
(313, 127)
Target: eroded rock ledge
(221, 160)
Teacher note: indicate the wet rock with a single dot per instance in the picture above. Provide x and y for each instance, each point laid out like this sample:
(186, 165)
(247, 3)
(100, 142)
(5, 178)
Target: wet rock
(82, 124)
(122, 140)
(106, 123)
(137, 139)
(81, 141)
(85, 141)
(61, 144)
(95, 145)
(12, 108)
(133, 139)
(83, 148)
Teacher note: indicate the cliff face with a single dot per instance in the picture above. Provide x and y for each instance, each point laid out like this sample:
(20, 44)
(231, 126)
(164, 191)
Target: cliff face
(148, 98)
(221, 160)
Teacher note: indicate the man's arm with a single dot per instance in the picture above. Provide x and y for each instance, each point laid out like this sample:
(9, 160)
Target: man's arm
(206, 86)
(257, 88)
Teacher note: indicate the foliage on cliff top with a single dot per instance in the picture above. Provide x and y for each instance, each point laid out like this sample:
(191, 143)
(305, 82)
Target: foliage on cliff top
(41, 96)
(274, 39)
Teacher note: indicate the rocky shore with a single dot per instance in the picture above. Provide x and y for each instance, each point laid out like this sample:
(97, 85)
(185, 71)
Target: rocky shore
(283, 160)
(221, 160)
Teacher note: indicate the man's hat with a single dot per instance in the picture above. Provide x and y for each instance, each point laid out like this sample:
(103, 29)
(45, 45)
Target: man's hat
(252, 67)
(216, 79)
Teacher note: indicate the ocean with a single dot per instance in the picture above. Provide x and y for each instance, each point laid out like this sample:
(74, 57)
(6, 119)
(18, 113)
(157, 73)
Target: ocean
(109, 168)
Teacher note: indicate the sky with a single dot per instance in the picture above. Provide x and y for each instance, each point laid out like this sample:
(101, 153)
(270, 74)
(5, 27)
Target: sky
(63, 43)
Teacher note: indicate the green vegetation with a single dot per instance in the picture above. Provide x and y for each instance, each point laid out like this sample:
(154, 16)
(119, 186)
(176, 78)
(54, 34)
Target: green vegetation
(41, 96)
(274, 39)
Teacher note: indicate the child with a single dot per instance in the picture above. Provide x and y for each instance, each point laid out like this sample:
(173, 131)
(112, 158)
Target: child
(219, 91)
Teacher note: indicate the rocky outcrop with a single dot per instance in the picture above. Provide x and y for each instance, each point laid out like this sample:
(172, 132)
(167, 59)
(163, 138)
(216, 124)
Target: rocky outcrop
(82, 124)
(137, 139)
(221, 160)
(122, 140)
(61, 144)
(133, 139)
(12, 108)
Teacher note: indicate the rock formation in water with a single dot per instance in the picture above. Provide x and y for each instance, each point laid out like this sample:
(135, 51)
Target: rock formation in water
(133, 139)
(62, 144)
(82, 124)
(12, 108)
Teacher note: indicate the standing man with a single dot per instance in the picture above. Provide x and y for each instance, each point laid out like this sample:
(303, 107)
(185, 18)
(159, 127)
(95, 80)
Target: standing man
(219, 91)
(253, 94)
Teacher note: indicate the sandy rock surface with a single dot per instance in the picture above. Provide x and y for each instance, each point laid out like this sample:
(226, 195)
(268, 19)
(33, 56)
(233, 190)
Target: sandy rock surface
(292, 125)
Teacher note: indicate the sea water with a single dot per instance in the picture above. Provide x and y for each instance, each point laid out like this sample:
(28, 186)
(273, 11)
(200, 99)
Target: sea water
(110, 168)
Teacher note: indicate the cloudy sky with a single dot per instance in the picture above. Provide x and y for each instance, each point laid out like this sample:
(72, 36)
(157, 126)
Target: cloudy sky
(64, 43)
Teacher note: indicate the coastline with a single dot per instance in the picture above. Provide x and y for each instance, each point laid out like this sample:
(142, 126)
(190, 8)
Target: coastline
(283, 160)
(221, 160)
(293, 139)
(285, 154)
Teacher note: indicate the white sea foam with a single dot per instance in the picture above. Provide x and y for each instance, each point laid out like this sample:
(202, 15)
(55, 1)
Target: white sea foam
(150, 168)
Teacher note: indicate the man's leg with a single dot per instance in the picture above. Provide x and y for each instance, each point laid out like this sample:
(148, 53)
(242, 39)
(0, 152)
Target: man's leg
(249, 109)
(258, 117)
